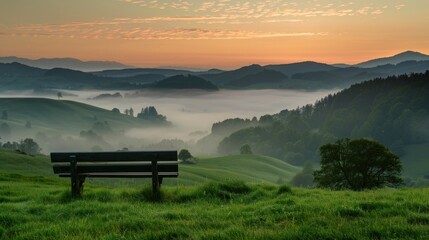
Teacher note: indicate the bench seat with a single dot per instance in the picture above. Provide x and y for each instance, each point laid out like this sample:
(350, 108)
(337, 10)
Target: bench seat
(148, 164)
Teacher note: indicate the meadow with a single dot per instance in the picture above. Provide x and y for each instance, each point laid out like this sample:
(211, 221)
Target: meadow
(33, 206)
(41, 208)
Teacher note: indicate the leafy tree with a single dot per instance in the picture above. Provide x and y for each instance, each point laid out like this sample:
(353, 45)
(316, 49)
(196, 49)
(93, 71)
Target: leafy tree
(115, 110)
(357, 164)
(185, 156)
(150, 113)
(59, 95)
(29, 146)
(11, 145)
(131, 112)
(127, 112)
(245, 149)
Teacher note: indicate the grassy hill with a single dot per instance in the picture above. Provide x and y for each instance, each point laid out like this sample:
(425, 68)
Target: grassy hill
(60, 116)
(40, 208)
(16, 163)
(248, 168)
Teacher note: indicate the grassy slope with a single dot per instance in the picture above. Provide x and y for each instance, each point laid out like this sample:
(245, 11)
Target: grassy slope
(40, 208)
(250, 168)
(61, 116)
(12, 162)
(34, 207)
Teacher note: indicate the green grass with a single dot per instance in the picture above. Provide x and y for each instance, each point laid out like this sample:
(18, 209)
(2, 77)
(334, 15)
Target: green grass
(230, 198)
(41, 208)
(47, 115)
(14, 162)
(248, 168)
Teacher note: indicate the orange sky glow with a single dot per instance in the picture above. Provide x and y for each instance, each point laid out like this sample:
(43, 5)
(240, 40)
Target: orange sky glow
(214, 33)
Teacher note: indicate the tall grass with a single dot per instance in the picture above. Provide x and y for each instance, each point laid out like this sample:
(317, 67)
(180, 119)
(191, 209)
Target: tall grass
(42, 208)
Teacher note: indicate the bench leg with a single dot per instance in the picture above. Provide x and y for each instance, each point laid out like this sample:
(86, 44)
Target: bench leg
(155, 178)
(76, 180)
(77, 186)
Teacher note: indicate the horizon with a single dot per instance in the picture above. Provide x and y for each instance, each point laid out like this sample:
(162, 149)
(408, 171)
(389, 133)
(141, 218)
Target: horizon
(196, 69)
(223, 34)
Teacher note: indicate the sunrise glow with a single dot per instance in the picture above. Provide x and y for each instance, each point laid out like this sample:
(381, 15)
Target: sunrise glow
(214, 33)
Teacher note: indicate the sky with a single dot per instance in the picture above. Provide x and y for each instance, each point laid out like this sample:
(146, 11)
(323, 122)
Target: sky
(215, 33)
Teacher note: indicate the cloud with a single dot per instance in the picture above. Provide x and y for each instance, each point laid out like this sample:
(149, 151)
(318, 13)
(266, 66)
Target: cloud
(162, 5)
(399, 7)
(269, 8)
(125, 31)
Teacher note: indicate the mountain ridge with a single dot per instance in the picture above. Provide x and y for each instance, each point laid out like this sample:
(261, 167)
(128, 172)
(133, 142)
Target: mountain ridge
(395, 59)
(70, 63)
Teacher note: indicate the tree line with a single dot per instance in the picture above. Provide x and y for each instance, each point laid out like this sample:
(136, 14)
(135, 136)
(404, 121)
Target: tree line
(393, 111)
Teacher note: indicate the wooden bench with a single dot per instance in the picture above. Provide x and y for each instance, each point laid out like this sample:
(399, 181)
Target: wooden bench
(80, 165)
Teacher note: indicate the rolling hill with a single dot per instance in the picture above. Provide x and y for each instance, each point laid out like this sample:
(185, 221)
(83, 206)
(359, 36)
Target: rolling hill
(70, 63)
(302, 75)
(181, 82)
(60, 116)
(393, 111)
(398, 58)
(261, 78)
(301, 67)
(247, 168)
(228, 76)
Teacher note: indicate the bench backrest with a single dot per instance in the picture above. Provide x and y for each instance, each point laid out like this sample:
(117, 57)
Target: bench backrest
(116, 164)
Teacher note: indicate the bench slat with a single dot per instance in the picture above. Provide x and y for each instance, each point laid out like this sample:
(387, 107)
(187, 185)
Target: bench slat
(115, 156)
(124, 175)
(117, 167)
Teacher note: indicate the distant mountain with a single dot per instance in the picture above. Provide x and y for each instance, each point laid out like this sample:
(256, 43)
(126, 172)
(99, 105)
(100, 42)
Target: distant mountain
(70, 63)
(210, 71)
(263, 77)
(341, 65)
(402, 57)
(184, 82)
(301, 67)
(302, 75)
(73, 75)
(89, 80)
(141, 71)
(234, 75)
(19, 70)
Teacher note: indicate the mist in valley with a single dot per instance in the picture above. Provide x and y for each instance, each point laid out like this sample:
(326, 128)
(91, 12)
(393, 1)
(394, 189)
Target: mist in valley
(191, 114)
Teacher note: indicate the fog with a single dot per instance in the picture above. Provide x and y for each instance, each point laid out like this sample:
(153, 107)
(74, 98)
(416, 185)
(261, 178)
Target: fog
(192, 111)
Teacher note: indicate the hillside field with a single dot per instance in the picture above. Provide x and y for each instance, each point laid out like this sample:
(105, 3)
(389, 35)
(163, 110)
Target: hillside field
(60, 116)
(231, 197)
(41, 208)
(248, 168)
